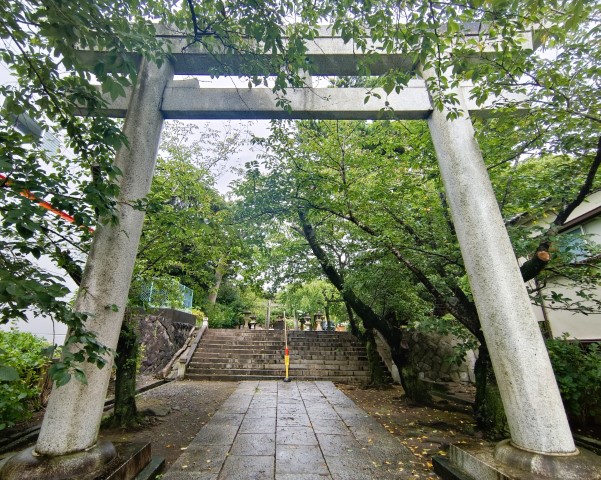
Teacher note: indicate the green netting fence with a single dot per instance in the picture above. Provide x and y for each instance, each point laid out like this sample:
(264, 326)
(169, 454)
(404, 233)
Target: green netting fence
(160, 293)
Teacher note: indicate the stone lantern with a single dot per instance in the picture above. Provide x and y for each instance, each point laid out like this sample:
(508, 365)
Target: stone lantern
(303, 321)
(247, 316)
(318, 318)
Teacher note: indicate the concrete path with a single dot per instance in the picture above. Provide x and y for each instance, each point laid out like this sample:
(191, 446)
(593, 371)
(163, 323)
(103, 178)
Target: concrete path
(292, 431)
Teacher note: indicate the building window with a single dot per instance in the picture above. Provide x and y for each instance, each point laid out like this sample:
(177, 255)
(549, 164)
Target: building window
(573, 244)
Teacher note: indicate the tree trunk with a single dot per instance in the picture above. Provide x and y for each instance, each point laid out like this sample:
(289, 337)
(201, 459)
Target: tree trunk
(488, 408)
(378, 376)
(368, 316)
(353, 303)
(126, 413)
(351, 320)
(220, 270)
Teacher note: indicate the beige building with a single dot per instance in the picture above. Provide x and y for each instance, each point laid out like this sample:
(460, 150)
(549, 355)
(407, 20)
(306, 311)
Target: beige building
(586, 219)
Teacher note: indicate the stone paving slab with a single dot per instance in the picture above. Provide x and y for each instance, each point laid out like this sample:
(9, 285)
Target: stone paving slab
(271, 430)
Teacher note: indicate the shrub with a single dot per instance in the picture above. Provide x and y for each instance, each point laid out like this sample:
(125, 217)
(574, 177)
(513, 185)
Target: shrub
(578, 372)
(222, 316)
(199, 314)
(23, 354)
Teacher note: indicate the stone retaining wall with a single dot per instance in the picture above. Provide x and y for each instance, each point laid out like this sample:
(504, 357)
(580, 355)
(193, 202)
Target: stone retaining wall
(431, 356)
(161, 337)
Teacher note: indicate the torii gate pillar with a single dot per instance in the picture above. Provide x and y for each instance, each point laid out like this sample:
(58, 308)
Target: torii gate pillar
(541, 440)
(74, 411)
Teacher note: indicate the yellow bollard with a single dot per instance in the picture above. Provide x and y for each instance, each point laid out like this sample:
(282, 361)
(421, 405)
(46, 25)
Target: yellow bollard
(287, 363)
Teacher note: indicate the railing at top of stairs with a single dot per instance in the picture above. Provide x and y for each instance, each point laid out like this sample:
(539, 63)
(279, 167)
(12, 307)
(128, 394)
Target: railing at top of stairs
(185, 361)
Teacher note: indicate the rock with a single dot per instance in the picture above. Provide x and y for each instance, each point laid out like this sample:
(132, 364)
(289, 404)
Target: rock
(158, 411)
(161, 337)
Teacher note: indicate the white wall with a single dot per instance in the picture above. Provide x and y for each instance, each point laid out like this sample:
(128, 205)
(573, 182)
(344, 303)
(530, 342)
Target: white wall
(53, 332)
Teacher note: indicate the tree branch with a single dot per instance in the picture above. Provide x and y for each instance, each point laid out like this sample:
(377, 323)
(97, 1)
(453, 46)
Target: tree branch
(584, 190)
(532, 267)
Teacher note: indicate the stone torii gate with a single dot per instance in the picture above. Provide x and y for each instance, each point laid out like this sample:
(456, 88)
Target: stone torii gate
(541, 441)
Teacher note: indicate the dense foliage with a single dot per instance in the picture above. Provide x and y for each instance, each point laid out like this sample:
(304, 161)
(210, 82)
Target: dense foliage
(76, 175)
(578, 372)
(362, 204)
(188, 237)
(23, 357)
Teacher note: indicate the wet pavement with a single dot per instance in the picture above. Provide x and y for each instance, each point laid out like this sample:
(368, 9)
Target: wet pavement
(291, 431)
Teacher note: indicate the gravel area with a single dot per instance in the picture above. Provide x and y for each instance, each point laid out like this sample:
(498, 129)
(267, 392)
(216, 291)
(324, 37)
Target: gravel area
(184, 407)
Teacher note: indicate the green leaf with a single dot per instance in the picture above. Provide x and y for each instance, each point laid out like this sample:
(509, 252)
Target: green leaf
(8, 374)
(62, 378)
(80, 376)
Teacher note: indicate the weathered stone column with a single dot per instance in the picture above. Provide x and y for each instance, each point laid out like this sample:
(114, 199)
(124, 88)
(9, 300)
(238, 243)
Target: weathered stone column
(535, 413)
(74, 411)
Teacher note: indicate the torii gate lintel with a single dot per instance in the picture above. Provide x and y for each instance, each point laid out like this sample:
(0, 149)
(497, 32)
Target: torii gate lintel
(186, 100)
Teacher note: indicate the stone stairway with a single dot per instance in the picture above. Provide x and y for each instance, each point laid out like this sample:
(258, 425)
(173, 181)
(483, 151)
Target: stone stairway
(259, 355)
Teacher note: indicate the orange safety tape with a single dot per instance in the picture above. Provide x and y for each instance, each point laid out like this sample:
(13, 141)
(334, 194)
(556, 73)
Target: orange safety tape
(42, 203)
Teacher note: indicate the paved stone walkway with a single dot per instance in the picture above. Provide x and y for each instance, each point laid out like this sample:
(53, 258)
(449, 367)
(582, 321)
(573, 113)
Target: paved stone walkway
(291, 431)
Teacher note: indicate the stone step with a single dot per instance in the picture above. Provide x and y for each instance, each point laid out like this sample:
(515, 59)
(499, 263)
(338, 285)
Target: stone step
(280, 359)
(327, 352)
(244, 333)
(228, 363)
(220, 377)
(330, 356)
(312, 355)
(243, 338)
(236, 371)
(324, 337)
(277, 371)
(240, 349)
(312, 333)
(265, 366)
(239, 378)
(243, 345)
(341, 364)
(222, 354)
(323, 343)
(316, 356)
(325, 346)
(245, 355)
(238, 341)
(333, 341)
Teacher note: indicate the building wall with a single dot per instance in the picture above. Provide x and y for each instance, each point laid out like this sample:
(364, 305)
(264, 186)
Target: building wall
(53, 332)
(575, 324)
